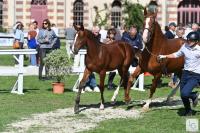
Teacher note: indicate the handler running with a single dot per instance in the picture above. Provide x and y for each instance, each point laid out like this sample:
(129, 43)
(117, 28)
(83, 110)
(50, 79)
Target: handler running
(191, 73)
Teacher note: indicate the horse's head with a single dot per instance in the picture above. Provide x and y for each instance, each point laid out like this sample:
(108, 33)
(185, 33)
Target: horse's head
(79, 40)
(149, 22)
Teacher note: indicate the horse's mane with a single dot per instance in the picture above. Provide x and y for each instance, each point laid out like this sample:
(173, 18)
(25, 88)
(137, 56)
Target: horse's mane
(159, 30)
(91, 36)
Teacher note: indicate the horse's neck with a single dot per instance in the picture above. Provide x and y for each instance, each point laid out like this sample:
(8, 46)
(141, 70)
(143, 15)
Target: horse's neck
(92, 48)
(157, 39)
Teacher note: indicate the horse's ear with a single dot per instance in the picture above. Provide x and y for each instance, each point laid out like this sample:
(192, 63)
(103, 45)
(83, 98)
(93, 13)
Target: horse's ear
(155, 12)
(75, 27)
(78, 27)
(145, 11)
(81, 27)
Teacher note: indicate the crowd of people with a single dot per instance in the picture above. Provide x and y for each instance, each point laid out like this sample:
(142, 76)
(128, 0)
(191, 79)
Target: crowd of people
(44, 40)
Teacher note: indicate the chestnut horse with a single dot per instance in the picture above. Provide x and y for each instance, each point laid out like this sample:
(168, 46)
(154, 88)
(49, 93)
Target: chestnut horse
(155, 44)
(101, 58)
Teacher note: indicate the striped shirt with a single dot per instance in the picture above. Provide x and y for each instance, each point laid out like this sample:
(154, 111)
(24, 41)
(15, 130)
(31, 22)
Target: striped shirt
(191, 56)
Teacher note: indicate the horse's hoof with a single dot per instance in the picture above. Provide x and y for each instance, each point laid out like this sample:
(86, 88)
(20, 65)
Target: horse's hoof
(76, 110)
(145, 109)
(101, 107)
(113, 102)
(127, 102)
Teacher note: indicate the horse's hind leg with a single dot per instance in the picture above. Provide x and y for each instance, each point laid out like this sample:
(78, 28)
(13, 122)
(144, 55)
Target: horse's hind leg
(102, 78)
(81, 85)
(131, 78)
(152, 91)
(113, 99)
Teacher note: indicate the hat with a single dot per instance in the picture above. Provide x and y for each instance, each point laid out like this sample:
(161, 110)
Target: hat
(172, 24)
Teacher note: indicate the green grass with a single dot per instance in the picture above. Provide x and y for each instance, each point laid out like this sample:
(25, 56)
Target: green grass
(39, 98)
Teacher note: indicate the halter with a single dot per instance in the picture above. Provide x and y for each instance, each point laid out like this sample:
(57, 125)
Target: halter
(145, 46)
(152, 54)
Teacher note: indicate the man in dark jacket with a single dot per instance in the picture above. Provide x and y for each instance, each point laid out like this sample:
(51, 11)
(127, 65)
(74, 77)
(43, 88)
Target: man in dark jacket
(171, 33)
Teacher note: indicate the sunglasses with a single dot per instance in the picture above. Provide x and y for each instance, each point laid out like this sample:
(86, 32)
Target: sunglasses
(45, 23)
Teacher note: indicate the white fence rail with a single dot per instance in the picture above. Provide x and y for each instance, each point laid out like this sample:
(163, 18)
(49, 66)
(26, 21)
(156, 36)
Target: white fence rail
(18, 86)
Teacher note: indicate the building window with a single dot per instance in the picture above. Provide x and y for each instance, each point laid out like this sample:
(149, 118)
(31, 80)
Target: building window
(78, 12)
(38, 2)
(189, 12)
(116, 13)
(1, 14)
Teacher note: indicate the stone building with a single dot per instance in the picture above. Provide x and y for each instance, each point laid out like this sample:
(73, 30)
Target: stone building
(65, 12)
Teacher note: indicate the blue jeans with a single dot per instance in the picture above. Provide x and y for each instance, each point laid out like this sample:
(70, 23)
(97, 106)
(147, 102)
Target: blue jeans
(188, 81)
(33, 59)
(175, 78)
(91, 82)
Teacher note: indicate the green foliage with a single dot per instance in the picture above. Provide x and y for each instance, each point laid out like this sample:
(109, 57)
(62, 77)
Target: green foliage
(99, 20)
(58, 64)
(133, 14)
(2, 29)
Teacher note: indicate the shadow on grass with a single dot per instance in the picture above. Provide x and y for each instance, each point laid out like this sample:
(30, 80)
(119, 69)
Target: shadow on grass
(181, 111)
(155, 104)
(106, 105)
(29, 90)
(159, 86)
(5, 91)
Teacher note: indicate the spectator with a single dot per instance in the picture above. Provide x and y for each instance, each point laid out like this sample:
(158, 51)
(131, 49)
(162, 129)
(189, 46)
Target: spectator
(166, 28)
(188, 29)
(171, 33)
(103, 33)
(191, 73)
(135, 40)
(32, 43)
(46, 39)
(18, 36)
(57, 44)
(18, 33)
(35, 23)
(110, 38)
(69, 34)
(180, 32)
(195, 27)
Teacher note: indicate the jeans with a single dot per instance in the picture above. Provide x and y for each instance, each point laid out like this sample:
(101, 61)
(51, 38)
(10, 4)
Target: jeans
(188, 81)
(91, 82)
(42, 55)
(174, 78)
(33, 60)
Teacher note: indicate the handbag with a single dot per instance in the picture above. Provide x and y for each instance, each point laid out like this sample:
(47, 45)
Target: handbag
(16, 44)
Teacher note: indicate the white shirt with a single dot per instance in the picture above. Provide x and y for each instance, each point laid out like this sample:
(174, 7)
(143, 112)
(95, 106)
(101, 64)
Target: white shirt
(191, 56)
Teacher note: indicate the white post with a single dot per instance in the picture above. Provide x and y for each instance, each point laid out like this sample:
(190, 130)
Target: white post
(140, 81)
(20, 74)
(79, 67)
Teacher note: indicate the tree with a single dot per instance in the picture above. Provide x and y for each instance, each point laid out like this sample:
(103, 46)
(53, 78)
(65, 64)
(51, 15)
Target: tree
(133, 14)
(99, 20)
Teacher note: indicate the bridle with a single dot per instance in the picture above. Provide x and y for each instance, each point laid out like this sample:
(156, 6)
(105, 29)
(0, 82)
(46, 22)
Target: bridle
(149, 38)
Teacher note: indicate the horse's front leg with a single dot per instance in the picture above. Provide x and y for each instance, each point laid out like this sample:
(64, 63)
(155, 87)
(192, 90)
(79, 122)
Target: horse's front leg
(102, 78)
(131, 78)
(81, 85)
(152, 91)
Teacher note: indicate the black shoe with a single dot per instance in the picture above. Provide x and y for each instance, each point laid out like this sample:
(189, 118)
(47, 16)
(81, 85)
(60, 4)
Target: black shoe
(111, 87)
(195, 101)
(188, 113)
